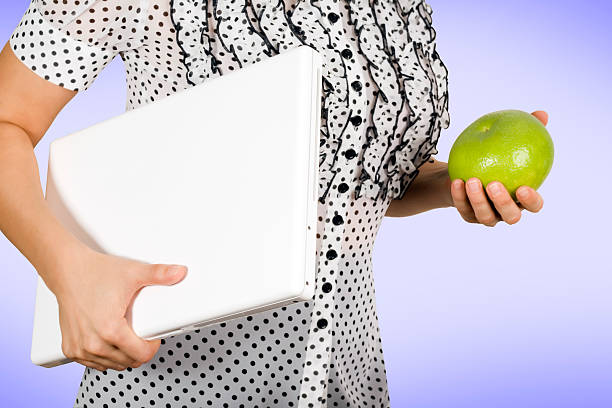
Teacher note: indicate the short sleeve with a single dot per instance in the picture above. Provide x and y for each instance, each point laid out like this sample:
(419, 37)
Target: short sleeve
(69, 42)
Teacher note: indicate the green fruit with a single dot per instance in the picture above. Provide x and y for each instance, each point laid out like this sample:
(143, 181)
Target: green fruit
(509, 146)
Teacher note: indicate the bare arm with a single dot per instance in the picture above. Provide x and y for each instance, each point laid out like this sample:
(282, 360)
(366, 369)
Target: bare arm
(93, 289)
(28, 106)
(429, 190)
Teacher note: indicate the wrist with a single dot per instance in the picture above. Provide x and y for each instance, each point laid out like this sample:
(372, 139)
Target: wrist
(62, 256)
(443, 183)
(446, 193)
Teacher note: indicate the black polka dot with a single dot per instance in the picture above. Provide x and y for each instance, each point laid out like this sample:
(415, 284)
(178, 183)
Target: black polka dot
(322, 323)
(350, 154)
(333, 17)
(331, 254)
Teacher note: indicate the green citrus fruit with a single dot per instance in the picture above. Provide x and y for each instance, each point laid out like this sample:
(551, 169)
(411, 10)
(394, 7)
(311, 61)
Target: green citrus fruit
(509, 146)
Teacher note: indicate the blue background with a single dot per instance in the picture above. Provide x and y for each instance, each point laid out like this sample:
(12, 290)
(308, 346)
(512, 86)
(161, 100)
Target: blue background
(512, 316)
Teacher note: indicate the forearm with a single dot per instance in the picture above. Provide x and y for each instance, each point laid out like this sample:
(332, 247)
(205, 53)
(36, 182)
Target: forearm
(25, 218)
(429, 190)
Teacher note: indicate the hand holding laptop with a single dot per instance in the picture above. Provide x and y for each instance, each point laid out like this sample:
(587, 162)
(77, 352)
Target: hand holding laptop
(94, 293)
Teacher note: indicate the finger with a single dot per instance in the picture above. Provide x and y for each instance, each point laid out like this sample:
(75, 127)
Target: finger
(90, 364)
(99, 361)
(461, 202)
(542, 116)
(137, 348)
(103, 361)
(503, 202)
(111, 353)
(82, 356)
(482, 209)
(96, 348)
(530, 199)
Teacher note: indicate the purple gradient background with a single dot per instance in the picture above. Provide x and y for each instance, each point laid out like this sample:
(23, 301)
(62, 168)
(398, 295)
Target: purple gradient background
(512, 316)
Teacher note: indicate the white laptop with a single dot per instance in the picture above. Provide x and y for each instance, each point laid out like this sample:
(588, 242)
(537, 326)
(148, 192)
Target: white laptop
(220, 177)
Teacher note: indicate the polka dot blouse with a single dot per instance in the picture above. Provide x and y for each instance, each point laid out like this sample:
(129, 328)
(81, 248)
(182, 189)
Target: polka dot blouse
(384, 103)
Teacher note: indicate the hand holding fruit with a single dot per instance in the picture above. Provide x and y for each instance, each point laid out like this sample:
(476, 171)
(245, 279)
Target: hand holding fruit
(525, 159)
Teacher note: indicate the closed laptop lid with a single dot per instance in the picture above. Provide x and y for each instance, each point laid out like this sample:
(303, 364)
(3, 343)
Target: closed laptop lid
(220, 177)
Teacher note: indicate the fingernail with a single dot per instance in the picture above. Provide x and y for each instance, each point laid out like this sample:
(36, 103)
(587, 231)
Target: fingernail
(473, 185)
(175, 269)
(494, 188)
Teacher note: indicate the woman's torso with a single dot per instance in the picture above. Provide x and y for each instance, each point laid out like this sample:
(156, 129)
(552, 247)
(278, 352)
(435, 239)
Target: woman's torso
(384, 103)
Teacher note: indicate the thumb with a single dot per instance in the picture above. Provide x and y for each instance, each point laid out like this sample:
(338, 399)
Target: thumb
(162, 274)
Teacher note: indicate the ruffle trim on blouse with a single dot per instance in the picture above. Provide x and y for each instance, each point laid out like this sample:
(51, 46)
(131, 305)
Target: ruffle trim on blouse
(193, 37)
(391, 161)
